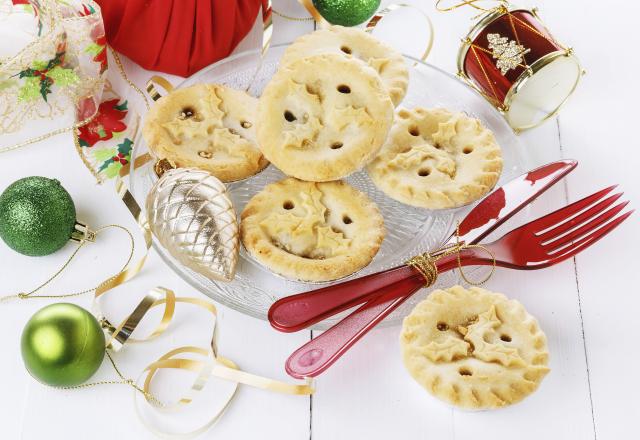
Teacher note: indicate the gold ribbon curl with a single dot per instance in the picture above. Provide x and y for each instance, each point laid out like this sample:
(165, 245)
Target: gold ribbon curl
(210, 364)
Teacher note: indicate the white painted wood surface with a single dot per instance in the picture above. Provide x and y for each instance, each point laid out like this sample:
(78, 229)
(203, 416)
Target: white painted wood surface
(587, 306)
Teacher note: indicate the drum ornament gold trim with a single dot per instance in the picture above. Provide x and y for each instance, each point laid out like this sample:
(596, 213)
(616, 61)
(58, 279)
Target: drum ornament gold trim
(529, 70)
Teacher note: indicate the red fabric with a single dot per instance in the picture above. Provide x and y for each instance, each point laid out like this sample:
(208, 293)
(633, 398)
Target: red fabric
(177, 36)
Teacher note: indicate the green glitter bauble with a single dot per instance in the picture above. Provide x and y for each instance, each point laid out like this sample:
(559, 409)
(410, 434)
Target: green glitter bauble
(346, 12)
(62, 345)
(37, 216)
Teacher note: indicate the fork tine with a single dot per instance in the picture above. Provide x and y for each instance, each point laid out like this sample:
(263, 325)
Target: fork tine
(562, 214)
(590, 239)
(561, 240)
(579, 219)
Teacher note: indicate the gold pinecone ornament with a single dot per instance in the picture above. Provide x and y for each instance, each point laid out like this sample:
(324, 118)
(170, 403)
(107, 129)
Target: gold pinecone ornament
(192, 216)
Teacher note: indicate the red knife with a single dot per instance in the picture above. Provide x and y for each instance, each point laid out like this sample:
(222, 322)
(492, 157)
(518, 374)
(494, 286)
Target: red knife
(297, 312)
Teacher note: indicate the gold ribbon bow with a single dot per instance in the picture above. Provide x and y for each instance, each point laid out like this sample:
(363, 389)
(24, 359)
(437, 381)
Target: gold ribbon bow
(426, 263)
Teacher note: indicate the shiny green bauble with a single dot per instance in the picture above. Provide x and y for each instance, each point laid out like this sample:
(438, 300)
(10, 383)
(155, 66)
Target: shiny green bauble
(346, 12)
(37, 216)
(62, 345)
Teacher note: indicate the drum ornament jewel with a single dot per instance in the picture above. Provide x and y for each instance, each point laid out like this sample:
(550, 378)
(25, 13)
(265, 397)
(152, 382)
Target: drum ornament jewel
(512, 59)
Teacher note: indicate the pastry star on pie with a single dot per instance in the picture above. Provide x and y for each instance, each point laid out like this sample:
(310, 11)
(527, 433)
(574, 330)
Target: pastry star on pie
(311, 231)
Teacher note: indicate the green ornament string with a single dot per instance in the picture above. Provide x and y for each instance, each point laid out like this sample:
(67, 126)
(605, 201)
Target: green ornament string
(34, 293)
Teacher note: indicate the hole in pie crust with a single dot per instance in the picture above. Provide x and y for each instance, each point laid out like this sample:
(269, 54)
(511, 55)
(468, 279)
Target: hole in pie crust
(346, 50)
(288, 204)
(205, 154)
(336, 145)
(505, 338)
(343, 88)
(245, 124)
(465, 372)
(424, 172)
(467, 150)
(289, 116)
(442, 326)
(187, 112)
(438, 146)
(413, 131)
(346, 220)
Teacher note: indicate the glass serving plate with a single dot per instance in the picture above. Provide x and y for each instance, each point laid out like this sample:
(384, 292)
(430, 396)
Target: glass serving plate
(409, 230)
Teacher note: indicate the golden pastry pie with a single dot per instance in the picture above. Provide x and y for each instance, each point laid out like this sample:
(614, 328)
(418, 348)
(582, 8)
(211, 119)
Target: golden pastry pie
(353, 42)
(474, 348)
(323, 117)
(311, 231)
(206, 126)
(436, 159)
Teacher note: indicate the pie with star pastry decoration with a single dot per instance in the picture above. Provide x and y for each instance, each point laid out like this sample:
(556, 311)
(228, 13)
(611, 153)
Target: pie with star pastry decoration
(311, 231)
(206, 126)
(474, 348)
(323, 117)
(355, 43)
(437, 159)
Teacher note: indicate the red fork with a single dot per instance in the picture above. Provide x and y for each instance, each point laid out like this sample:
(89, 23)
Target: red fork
(535, 245)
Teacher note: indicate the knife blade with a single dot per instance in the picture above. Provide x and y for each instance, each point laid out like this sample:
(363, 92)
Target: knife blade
(508, 200)
(297, 312)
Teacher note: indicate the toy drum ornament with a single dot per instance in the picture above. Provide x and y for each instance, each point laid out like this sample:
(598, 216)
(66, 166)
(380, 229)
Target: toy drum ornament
(511, 58)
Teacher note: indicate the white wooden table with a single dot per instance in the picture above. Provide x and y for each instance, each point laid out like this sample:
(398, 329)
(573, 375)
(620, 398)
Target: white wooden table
(586, 306)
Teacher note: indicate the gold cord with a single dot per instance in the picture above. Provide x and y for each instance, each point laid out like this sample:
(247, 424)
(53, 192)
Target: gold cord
(116, 58)
(288, 17)
(32, 294)
(426, 265)
(472, 3)
(122, 381)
